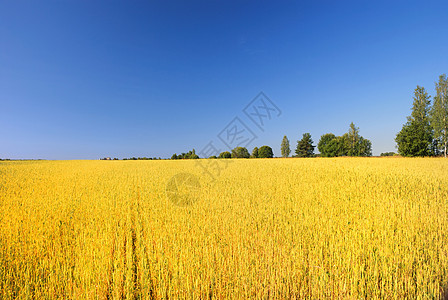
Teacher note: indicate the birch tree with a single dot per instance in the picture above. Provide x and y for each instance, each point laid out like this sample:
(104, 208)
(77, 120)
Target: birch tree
(439, 114)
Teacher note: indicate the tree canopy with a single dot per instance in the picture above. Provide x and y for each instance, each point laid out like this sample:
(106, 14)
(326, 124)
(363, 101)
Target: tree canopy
(350, 144)
(305, 146)
(416, 136)
(285, 148)
(324, 141)
(225, 154)
(265, 152)
(190, 155)
(255, 153)
(439, 115)
(240, 152)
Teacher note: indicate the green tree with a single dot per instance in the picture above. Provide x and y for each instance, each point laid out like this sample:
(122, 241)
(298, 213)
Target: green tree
(323, 144)
(439, 115)
(356, 144)
(337, 146)
(388, 154)
(353, 140)
(415, 138)
(364, 147)
(350, 144)
(225, 154)
(305, 146)
(265, 152)
(192, 155)
(255, 153)
(285, 149)
(240, 152)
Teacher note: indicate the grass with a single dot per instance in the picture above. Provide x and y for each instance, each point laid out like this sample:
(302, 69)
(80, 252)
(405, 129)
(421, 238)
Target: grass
(265, 228)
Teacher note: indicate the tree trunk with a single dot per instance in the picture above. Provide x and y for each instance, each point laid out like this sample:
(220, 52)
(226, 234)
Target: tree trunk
(445, 149)
(445, 141)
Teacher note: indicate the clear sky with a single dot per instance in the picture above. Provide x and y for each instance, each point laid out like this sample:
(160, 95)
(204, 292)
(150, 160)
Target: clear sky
(86, 79)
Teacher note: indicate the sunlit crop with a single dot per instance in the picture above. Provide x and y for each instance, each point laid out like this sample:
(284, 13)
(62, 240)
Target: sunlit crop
(265, 228)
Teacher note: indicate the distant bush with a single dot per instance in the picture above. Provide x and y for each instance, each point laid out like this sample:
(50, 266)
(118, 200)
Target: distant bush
(388, 154)
(225, 154)
(139, 158)
(190, 155)
(240, 152)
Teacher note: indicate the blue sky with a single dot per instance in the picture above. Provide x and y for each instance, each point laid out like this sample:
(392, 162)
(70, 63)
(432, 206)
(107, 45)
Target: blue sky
(88, 79)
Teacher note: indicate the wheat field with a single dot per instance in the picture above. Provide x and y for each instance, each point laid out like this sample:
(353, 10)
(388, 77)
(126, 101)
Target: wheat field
(263, 229)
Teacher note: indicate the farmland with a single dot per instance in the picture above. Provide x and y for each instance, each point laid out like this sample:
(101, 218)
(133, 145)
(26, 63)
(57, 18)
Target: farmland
(264, 228)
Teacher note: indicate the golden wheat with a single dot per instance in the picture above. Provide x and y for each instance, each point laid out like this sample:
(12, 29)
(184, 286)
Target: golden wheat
(265, 228)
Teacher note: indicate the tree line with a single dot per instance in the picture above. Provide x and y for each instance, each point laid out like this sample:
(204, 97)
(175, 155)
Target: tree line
(426, 131)
(189, 155)
(424, 134)
(141, 158)
(330, 145)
